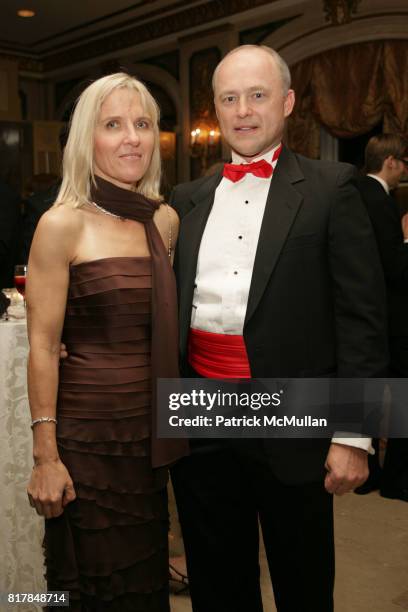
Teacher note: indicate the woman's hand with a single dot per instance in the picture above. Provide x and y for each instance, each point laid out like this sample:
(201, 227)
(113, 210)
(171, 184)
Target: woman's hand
(63, 351)
(50, 488)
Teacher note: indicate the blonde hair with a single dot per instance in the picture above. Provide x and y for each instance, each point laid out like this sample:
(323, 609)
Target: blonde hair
(78, 174)
(279, 61)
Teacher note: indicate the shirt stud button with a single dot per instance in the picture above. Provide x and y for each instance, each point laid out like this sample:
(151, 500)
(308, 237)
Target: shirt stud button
(240, 237)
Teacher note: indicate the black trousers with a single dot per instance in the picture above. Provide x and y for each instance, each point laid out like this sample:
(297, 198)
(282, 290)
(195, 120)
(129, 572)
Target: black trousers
(395, 470)
(221, 493)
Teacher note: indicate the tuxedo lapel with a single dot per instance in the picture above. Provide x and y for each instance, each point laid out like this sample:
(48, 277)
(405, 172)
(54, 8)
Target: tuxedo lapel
(191, 233)
(281, 208)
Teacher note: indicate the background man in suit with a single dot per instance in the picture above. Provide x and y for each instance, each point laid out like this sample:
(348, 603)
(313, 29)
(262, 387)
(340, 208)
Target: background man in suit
(35, 206)
(279, 276)
(386, 160)
(9, 234)
(39, 202)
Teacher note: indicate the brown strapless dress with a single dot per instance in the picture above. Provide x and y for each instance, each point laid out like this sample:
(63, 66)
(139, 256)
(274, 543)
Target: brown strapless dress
(109, 547)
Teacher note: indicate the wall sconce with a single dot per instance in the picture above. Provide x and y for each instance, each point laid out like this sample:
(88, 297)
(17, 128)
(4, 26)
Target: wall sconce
(203, 144)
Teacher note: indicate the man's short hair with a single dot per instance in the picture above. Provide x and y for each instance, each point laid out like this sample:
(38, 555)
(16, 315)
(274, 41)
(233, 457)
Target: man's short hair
(279, 61)
(380, 147)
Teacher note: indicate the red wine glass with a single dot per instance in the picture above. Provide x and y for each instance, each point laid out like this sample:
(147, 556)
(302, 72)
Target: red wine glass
(20, 279)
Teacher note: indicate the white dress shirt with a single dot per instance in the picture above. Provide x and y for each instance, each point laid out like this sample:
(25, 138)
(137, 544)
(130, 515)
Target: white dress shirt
(227, 252)
(226, 260)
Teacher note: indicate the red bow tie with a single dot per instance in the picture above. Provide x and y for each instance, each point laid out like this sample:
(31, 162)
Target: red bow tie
(261, 168)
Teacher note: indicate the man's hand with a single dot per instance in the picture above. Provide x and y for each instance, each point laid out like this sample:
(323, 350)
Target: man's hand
(347, 468)
(63, 351)
(404, 225)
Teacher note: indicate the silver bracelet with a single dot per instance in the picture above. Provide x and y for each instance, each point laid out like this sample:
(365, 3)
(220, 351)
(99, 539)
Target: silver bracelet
(43, 420)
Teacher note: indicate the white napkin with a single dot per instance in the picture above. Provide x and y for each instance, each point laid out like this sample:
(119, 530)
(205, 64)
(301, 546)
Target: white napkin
(16, 311)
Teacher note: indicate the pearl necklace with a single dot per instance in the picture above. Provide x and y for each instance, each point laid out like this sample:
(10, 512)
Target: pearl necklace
(107, 212)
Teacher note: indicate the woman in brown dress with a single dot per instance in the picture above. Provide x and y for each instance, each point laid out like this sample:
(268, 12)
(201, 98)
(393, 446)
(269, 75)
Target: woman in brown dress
(100, 280)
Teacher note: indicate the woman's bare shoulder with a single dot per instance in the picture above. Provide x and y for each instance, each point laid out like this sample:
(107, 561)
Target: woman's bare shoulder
(62, 218)
(58, 233)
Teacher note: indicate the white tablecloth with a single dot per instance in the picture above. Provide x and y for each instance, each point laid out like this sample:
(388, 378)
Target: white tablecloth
(21, 530)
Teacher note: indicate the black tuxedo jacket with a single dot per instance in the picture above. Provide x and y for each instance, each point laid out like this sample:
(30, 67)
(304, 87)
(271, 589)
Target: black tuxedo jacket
(316, 304)
(385, 218)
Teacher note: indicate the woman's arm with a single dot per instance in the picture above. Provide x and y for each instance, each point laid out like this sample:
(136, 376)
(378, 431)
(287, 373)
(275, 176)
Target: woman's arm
(50, 487)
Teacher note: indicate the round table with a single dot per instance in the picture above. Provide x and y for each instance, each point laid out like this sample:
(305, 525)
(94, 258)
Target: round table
(21, 530)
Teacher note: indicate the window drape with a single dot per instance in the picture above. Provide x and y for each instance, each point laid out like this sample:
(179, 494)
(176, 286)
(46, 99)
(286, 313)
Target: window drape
(349, 90)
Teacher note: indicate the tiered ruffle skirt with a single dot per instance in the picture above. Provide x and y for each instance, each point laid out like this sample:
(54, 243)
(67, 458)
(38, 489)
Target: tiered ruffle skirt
(109, 547)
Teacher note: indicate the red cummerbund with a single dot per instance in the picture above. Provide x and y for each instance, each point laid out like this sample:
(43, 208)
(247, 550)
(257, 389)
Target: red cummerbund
(218, 355)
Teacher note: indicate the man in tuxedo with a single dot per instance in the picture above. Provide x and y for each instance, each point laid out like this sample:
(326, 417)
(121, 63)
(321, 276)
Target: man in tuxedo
(279, 276)
(386, 160)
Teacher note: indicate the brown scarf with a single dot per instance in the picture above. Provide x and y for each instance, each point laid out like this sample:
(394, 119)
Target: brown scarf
(164, 344)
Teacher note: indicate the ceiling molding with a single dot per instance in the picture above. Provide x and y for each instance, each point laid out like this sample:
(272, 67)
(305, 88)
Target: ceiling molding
(174, 23)
(317, 37)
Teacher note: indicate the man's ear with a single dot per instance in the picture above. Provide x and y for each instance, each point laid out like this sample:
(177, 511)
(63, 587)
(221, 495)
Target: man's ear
(289, 102)
(388, 161)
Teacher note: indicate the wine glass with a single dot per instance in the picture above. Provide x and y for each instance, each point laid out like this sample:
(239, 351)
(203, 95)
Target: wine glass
(20, 272)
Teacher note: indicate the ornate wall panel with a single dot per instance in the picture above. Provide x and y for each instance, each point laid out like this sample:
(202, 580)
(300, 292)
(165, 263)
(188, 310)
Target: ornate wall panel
(202, 66)
(168, 61)
(255, 36)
